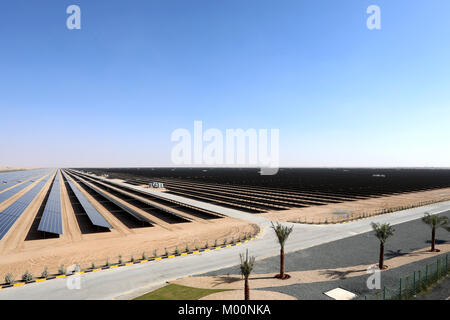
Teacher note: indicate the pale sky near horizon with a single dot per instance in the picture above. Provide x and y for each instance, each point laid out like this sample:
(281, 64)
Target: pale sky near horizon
(112, 93)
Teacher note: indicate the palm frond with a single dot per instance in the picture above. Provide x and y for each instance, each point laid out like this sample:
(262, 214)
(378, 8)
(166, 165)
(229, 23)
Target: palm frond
(282, 232)
(247, 264)
(383, 231)
(435, 221)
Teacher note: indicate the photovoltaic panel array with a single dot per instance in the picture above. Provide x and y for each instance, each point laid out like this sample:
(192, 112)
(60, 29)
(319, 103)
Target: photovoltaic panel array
(7, 180)
(10, 215)
(96, 218)
(117, 203)
(51, 220)
(8, 194)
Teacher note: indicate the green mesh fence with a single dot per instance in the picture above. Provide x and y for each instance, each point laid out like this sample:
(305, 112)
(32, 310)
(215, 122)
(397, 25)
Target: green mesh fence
(414, 283)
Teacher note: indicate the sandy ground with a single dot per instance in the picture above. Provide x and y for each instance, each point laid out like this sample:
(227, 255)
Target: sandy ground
(309, 276)
(97, 248)
(6, 169)
(254, 295)
(73, 247)
(359, 208)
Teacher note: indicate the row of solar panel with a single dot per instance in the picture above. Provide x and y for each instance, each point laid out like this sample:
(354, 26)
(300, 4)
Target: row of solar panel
(96, 218)
(10, 179)
(51, 220)
(8, 194)
(117, 203)
(10, 215)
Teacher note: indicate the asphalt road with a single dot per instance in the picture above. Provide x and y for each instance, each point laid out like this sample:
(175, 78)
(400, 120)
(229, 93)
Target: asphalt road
(129, 282)
(356, 250)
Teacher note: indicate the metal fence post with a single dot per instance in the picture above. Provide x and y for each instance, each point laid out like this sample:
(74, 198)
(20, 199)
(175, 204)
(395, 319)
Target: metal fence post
(437, 269)
(420, 279)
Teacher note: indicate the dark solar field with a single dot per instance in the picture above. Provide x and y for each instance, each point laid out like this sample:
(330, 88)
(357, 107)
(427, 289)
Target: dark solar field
(247, 190)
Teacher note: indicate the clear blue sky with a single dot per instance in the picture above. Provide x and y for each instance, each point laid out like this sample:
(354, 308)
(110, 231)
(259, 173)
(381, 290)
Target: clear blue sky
(111, 93)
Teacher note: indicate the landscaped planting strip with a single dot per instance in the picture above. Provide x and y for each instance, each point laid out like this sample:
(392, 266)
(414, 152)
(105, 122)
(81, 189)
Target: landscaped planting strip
(18, 284)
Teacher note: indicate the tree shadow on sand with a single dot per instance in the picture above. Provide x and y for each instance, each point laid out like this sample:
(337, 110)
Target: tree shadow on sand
(438, 241)
(220, 280)
(336, 274)
(399, 253)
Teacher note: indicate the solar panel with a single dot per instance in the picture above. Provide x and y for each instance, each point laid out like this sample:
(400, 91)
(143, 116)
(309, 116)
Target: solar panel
(117, 203)
(8, 194)
(10, 215)
(51, 220)
(7, 180)
(96, 218)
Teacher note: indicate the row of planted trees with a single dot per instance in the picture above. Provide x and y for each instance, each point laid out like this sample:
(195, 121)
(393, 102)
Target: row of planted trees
(382, 232)
(247, 262)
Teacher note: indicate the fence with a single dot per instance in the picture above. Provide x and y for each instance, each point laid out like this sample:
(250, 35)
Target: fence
(415, 283)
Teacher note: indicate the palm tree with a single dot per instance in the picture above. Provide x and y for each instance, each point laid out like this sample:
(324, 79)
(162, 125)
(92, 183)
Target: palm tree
(435, 222)
(382, 232)
(247, 264)
(282, 233)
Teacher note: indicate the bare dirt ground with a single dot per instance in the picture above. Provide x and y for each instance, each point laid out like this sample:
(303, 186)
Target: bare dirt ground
(97, 248)
(340, 211)
(73, 247)
(6, 169)
(308, 276)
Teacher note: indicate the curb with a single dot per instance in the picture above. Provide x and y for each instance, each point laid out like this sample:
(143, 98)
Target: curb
(19, 284)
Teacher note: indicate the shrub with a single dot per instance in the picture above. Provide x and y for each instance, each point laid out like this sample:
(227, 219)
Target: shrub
(177, 251)
(107, 262)
(92, 265)
(62, 269)
(144, 256)
(166, 252)
(215, 243)
(206, 245)
(9, 278)
(155, 253)
(44, 273)
(225, 241)
(120, 261)
(187, 248)
(132, 259)
(27, 276)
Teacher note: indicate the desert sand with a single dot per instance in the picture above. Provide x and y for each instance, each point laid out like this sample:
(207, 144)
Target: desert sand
(73, 247)
(367, 207)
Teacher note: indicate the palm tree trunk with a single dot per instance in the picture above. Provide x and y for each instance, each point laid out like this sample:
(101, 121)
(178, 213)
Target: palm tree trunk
(433, 239)
(381, 261)
(246, 289)
(282, 263)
